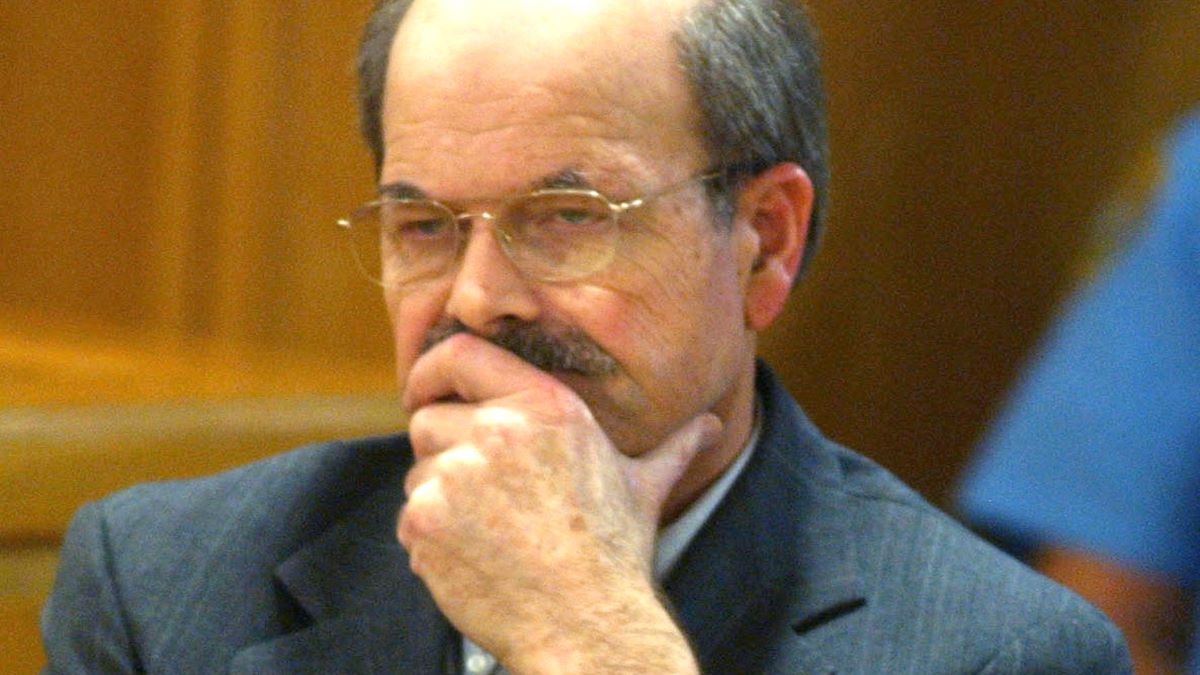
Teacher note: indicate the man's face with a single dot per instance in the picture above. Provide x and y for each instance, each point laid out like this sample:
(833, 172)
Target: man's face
(494, 99)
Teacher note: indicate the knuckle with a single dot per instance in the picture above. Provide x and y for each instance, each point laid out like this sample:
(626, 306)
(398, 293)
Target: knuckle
(413, 479)
(404, 528)
(420, 431)
(416, 562)
(495, 426)
(458, 463)
(421, 516)
(419, 421)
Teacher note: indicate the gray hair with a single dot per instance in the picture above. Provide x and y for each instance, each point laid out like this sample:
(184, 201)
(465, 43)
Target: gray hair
(754, 72)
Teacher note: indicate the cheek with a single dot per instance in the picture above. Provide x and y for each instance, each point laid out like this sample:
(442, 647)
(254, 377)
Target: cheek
(692, 290)
(412, 314)
(606, 315)
(694, 319)
(666, 309)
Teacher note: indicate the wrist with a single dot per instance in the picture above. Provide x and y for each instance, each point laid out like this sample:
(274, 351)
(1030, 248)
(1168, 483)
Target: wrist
(633, 636)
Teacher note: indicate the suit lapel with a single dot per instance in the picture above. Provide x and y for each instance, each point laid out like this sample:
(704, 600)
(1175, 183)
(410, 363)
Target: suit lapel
(775, 560)
(369, 612)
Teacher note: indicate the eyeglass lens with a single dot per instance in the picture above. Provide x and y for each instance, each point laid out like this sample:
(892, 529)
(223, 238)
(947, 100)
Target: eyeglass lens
(553, 235)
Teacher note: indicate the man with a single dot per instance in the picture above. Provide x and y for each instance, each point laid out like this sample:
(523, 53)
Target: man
(589, 211)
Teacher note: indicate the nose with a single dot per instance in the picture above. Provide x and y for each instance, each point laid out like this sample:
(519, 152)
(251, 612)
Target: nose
(487, 287)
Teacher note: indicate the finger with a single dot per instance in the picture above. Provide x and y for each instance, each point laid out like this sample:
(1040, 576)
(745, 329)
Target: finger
(417, 476)
(425, 513)
(435, 427)
(452, 468)
(468, 368)
(656, 472)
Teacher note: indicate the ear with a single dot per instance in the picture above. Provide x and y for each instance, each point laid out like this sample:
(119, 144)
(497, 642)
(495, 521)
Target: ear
(774, 207)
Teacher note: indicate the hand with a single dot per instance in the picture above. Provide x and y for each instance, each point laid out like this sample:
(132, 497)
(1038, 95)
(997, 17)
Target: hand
(534, 534)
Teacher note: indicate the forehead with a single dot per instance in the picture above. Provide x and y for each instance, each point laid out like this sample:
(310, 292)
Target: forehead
(508, 87)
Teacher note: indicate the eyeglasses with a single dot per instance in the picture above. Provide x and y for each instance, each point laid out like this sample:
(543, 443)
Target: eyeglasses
(549, 235)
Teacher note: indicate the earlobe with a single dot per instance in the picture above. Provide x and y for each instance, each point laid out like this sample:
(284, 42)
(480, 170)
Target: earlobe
(777, 204)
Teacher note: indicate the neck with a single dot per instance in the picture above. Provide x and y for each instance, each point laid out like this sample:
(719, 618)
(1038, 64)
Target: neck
(736, 411)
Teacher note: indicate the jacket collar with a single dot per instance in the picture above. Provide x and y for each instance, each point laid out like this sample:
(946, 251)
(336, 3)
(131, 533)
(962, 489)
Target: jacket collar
(368, 611)
(776, 559)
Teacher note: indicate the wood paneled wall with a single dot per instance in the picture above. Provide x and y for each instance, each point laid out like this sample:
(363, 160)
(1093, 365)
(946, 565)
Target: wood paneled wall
(172, 172)
(177, 167)
(973, 144)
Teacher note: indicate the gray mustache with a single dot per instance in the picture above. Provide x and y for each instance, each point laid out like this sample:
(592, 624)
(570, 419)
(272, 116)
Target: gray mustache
(571, 351)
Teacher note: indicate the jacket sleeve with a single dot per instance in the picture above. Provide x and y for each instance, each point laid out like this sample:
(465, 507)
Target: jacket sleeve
(83, 623)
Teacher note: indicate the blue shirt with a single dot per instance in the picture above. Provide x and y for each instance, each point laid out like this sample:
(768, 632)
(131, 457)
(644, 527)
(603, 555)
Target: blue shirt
(1099, 446)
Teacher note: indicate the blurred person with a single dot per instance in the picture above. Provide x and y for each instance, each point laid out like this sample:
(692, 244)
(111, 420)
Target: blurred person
(586, 214)
(1092, 469)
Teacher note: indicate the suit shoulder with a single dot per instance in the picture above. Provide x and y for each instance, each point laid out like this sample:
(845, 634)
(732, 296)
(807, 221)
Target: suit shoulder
(928, 575)
(161, 568)
(300, 489)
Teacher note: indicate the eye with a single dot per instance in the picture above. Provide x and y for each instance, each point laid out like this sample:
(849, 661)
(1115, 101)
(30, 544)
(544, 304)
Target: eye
(576, 217)
(428, 227)
(413, 220)
(563, 212)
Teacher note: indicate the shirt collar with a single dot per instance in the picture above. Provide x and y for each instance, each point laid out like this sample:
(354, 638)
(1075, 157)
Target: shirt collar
(674, 538)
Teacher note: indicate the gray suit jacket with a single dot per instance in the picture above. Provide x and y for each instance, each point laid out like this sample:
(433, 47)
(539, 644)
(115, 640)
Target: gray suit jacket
(818, 561)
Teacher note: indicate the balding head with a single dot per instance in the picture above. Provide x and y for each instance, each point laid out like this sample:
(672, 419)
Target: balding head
(605, 63)
(751, 66)
(508, 31)
(563, 86)
(468, 40)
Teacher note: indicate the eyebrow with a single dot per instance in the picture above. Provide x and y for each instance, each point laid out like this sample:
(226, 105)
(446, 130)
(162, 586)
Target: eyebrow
(564, 179)
(401, 190)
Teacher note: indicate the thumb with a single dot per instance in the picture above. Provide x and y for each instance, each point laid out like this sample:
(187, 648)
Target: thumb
(656, 472)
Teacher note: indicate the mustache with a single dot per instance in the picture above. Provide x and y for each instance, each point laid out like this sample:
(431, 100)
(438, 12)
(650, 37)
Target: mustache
(570, 351)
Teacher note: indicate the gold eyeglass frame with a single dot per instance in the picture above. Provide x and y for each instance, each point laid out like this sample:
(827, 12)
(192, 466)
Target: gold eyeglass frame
(505, 237)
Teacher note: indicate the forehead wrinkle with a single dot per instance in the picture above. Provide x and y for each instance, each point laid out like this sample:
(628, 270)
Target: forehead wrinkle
(429, 137)
(565, 108)
(568, 178)
(441, 121)
(571, 158)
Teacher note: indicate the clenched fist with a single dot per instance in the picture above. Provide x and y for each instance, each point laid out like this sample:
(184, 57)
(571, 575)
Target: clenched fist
(534, 534)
